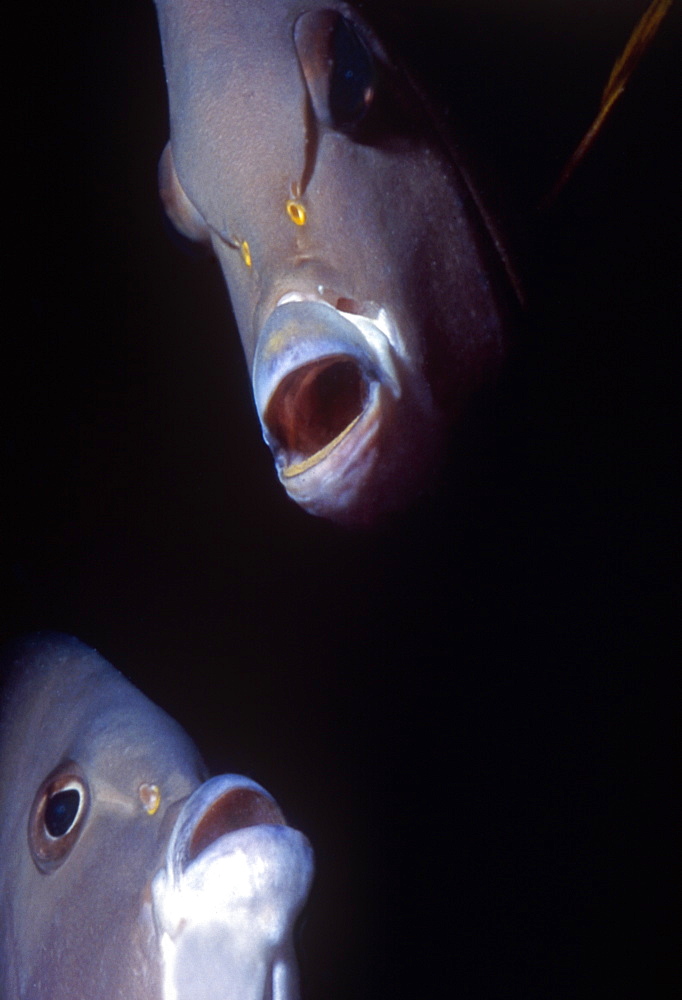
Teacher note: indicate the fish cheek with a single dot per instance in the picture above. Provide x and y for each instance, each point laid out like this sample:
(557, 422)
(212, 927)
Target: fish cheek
(58, 814)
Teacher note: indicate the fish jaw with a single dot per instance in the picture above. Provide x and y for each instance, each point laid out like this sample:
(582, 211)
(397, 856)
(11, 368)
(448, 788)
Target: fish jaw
(343, 408)
(226, 900)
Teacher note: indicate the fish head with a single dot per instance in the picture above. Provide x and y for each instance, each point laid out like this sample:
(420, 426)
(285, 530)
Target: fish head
(124, 872)
(371, 296)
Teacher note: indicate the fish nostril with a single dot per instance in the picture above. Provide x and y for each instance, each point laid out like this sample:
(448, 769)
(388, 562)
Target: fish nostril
(237, 809)
(315, 403)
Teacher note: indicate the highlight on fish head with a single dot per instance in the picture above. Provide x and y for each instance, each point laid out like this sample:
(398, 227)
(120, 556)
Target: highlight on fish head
(371, 293)
(124, 872)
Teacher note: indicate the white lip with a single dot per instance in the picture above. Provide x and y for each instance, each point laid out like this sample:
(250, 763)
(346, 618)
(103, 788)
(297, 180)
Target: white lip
(368, 340)
(374, 326)
(236, 870)
(225, 916)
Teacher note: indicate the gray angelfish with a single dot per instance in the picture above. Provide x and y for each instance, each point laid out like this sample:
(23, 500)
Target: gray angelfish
(124, 873)
(372, 295)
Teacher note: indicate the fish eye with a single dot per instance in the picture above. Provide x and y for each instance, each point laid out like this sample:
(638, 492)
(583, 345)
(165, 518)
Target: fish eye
(338, 68)
(57, 816)
(61, 811)
(351, 81)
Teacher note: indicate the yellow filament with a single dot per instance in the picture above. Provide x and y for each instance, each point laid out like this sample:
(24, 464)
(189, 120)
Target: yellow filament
(296, 212)
(308, 463)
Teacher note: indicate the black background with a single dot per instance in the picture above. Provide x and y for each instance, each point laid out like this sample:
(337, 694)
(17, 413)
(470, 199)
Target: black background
(472, 713)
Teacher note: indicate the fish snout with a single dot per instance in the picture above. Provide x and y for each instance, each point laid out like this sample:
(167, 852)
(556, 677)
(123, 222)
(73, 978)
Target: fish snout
(224, 814)
(346, 415)
(226, 900)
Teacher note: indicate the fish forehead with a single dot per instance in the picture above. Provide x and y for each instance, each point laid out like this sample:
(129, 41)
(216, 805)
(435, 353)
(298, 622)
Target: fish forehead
(241, 130)
(236, 92)
(83, 709)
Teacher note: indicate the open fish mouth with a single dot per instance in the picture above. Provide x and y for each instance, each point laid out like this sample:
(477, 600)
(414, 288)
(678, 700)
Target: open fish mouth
(324, 381)
(231, 845)
(314, 408)
(217, 810)
(236, 808)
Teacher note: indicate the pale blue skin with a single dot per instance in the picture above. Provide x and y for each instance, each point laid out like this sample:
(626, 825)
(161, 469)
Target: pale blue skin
(123, 914)
(392, 228)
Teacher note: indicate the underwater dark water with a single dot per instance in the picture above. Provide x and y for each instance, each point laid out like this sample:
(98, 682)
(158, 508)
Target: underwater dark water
(469, 713)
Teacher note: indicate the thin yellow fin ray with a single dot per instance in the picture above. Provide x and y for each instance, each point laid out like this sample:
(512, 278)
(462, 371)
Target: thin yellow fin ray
(637, 44)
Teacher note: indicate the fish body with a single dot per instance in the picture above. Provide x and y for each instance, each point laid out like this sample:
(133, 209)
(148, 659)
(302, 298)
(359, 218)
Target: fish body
(124, 872)
(370, 292)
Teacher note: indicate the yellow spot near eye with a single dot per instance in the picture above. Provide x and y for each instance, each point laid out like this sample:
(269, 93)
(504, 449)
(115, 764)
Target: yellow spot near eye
(150, 797)
(245, 251)
(296, 212)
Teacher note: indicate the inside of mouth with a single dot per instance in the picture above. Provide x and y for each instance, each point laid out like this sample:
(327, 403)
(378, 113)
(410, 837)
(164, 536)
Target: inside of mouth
(235, 810)
(315, 406)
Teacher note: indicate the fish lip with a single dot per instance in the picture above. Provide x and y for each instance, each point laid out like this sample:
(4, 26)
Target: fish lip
(199, 830)
(305, 341)
(264, 868)
(368, 334)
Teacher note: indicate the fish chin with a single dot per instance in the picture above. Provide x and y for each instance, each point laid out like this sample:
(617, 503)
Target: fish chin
(350, 423)
(226, 901)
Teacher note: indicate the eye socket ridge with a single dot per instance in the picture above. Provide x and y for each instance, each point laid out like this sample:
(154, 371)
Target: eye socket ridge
(58, 815)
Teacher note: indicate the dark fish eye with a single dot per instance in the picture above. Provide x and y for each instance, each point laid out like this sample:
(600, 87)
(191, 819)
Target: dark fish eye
(338, 68)
(58, 815)
(61, 812)
(351, 83)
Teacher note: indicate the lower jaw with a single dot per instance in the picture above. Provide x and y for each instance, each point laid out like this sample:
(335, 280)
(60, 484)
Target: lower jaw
(299, 467)
(332, 481)
(372, 470)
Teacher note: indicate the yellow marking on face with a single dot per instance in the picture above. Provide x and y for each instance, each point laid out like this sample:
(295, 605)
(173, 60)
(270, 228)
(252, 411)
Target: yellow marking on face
(150, 797)
(245, 251)
(296, 212)
(242, 246)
